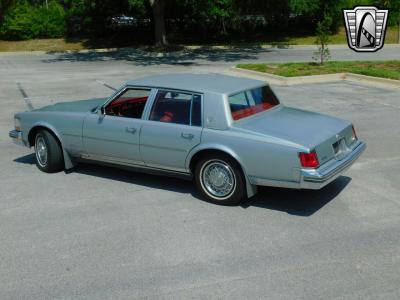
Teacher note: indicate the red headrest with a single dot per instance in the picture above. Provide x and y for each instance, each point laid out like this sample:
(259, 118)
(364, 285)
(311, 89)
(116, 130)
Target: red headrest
(167, 117)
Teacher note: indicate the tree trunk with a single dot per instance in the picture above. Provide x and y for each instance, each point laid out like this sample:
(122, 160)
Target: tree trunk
(322, 54)
(160, 33)
(223, 25)
(398, 23)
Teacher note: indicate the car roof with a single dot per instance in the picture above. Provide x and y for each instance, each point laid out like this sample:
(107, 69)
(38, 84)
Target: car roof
(203, 83)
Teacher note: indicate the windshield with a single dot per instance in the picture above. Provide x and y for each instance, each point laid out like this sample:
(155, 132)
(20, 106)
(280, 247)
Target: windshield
(251, 102)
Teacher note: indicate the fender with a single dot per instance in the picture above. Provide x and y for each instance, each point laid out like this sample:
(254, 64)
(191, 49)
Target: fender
(68, 162)
(250, 188)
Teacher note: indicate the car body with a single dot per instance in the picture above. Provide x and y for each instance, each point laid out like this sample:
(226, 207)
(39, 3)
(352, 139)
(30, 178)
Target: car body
(222, 130)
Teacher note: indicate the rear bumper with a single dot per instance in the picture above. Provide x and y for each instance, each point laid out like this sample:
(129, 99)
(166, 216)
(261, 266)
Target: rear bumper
(16, 136)
(316, 179)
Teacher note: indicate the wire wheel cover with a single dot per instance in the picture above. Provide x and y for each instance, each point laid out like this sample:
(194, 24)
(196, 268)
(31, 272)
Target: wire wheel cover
(218, 179)
(41, 151)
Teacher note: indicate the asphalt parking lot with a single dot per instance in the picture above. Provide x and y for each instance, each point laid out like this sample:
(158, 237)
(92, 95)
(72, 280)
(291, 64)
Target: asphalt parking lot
(101, 233)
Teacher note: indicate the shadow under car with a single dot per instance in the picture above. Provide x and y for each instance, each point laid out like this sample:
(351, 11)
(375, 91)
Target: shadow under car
(294, 202)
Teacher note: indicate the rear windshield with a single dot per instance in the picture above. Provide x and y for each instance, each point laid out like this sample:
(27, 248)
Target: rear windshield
(251, 102)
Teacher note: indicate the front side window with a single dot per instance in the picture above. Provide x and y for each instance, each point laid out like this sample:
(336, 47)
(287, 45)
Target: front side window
(251, 102)
(177, 107)
(130, 104)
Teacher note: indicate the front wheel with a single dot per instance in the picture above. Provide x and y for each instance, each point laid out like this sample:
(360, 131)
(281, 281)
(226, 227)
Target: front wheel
(48, 152)
(220, 180)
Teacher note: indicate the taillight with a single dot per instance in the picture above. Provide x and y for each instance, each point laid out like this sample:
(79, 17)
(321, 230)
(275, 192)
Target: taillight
(354, 133)
(309, 160)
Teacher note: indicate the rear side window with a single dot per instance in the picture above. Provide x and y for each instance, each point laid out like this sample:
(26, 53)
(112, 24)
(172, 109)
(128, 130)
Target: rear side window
(177, 107)
(250, 102)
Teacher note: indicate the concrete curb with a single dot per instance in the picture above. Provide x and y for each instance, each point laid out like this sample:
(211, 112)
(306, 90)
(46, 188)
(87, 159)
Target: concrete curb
(104, 50)
(288, 81)
(39, 52)
(375, 81)
(186, 48)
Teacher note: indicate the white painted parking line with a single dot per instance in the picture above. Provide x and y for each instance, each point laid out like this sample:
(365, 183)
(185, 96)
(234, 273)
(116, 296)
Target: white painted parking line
(106, 85)
(25, 96)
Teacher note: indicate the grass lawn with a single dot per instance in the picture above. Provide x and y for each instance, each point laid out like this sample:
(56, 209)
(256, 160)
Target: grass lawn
(391, 37)
(340, 38)
(385, 69)
(41, 45)
(79, 44)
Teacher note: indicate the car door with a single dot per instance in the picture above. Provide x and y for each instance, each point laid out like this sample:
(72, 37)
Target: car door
(173, 128)
(113, 135)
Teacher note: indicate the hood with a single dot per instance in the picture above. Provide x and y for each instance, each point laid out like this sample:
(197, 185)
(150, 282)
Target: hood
(295, 125)
(74, 106)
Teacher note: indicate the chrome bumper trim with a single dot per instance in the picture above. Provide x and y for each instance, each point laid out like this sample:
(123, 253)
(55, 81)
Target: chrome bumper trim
(317, 179)
(16, 137)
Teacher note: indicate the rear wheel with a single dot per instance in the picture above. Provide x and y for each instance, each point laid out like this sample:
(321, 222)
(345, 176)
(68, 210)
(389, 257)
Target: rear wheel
(48, 152)
(220, 180)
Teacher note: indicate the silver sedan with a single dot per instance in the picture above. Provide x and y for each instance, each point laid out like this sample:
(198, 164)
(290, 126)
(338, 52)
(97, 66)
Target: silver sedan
(229, 134)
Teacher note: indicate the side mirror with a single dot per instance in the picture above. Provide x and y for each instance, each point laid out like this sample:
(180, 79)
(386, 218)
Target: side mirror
(100, 111)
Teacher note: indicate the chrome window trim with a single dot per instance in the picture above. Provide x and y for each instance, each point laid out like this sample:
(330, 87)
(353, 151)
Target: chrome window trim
(249, 89)
(147, 117)
(149, 104)
(191, 111)
(151, 99)
(156, 87)
(123, 90)
(230, 117)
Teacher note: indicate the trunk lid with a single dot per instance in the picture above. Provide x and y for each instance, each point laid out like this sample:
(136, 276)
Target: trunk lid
(315, 131)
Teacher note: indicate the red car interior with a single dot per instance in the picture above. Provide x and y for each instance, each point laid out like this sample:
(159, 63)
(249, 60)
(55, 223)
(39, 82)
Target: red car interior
(167, 117)
(127, 107)
(248, 111)
(171, 111)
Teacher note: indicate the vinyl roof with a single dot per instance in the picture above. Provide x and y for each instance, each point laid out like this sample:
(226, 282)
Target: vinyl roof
(202, 83)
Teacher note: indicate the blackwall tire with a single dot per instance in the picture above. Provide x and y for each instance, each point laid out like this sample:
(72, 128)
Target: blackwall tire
(219, 180)
(48, 152)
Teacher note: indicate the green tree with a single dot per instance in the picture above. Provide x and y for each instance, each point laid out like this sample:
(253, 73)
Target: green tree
(17, 22)
(4, 5)
(209, 12)
(78, 16)
(157, 8)
(394, 7)
(219, 11)
(323, 37)
(304, 6)
(48, 20)
(25, 21)
(320, 9)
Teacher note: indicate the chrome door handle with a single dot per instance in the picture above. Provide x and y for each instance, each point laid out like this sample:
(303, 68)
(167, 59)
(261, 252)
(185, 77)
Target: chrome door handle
(187, 136)
(130, 130)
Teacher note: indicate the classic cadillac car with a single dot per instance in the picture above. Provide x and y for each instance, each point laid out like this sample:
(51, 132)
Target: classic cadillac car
(229, 134)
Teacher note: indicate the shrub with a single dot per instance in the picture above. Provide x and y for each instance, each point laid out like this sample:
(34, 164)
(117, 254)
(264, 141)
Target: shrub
(17, 23)
(49, 22)
(24, 21)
